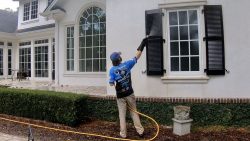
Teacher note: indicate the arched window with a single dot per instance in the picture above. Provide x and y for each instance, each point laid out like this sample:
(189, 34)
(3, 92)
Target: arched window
(92, 40)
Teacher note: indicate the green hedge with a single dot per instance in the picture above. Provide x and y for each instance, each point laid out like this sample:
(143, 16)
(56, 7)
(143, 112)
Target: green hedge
(65, 108)
(70, 109)
(202, 114)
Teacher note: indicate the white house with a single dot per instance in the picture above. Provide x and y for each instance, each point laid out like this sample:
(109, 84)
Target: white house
(196, 48)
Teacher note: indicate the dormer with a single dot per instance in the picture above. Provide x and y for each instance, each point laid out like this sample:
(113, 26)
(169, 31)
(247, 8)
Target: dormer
(29, 13)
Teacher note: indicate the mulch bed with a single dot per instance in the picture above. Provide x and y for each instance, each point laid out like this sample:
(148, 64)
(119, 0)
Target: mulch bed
(111, 129)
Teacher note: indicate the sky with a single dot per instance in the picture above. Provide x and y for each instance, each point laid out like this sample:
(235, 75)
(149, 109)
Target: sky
(9, 4)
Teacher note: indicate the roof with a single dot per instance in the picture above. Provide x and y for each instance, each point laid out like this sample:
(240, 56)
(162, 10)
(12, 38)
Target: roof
(48, 8)
(9, 21)
(36, 28)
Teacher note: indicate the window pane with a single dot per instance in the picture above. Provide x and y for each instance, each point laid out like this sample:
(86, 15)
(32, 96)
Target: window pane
(174, 63)
(68, 32)
(72, 31)
(183, 32)
(174, 48)
(81, 31)
(82, 53)
(95, 19)
(184, 64)
(89, 65)
(96, 52)
(72, 43)
(88, 53)
(71, 51)
(68, 65)
(103, 40)
(88, 29)
(90, 10)
(184, 48)
(96, 27)
(96, 40)
(103, 65)
(183, 17)
(173, 18)
(102, 52)
(193, 32)
(89, 41)
(85, 14)
(195, 64)
(96, 65)
(174, 33)
(193, 17)
(194, 47)
(102, 28)
(82, 66)
(82, 41)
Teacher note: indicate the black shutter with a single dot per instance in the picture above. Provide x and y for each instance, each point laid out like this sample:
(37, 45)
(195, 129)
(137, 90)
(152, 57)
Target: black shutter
(155, 42)
(214, 40)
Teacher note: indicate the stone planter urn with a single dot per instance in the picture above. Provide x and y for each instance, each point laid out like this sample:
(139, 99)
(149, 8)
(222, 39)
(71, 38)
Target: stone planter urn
(181, 120)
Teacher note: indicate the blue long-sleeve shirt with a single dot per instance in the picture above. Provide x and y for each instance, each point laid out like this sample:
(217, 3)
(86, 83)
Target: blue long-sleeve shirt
(120, 76)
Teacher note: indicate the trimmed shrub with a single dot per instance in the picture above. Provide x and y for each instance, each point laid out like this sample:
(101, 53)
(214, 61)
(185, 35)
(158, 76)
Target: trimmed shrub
(202, 114)
(58, 107)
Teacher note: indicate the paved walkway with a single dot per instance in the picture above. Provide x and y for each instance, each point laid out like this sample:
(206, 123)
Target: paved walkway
(6, 137)
(43, 85)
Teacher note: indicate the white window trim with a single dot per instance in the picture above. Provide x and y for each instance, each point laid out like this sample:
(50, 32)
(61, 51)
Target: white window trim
(182, 3)
(182, 77)
(30, 10)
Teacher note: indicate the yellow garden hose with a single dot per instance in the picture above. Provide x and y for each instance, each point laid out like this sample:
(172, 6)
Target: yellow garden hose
(90, 134)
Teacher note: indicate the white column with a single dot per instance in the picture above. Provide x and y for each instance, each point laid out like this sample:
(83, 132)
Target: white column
(5, 61)
(16, 57)
(50, 58)
(32, 49)
(57, 53)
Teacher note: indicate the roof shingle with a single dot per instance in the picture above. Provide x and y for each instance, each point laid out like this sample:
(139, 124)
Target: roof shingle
(9, 21)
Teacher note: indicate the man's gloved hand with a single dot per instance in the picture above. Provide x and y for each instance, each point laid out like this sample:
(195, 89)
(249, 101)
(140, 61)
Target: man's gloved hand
(143, 44)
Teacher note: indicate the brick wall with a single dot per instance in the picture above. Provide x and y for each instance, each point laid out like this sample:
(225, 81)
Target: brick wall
(181, 100)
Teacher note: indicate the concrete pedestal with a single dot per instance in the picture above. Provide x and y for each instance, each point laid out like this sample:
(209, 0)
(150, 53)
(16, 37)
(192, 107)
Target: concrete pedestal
(181, 127)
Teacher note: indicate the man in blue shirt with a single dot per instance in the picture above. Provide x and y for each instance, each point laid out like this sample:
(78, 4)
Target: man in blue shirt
(120, 77)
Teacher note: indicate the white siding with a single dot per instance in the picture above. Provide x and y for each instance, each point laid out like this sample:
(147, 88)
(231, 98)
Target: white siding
(126, 29)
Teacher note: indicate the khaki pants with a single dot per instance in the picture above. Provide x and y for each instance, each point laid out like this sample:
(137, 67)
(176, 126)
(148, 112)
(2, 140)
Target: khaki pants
(122, 107)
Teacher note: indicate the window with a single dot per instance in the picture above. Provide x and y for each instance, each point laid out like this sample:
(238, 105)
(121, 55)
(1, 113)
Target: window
(1, 43)
(26, 12)
(185, 52)
(184, 45)
(10, 44)
(30, 10)
(34, 9)
(41, 61)
(70, 49)
(92, 40)
(41, 58)
(42, 41)
(53, 59)
(25, 60)
(25, 44)
(9, 61)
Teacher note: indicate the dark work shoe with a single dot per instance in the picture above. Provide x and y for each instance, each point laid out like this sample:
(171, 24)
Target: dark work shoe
(141, 135)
